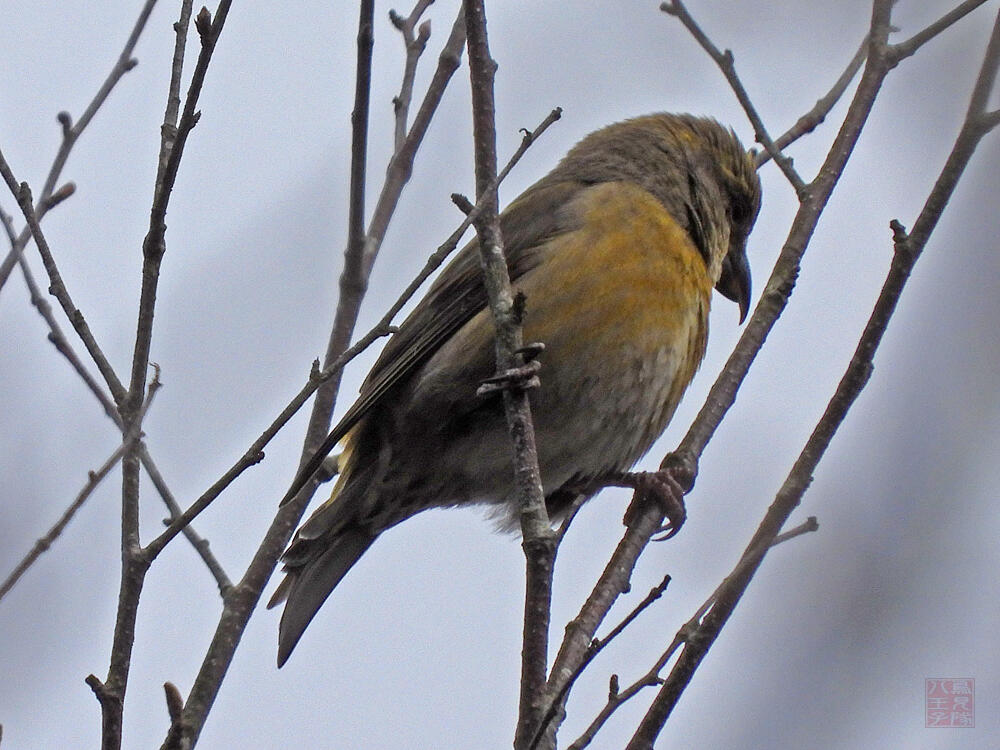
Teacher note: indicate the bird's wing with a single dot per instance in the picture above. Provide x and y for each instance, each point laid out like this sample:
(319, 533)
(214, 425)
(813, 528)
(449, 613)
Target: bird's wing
(455, 297)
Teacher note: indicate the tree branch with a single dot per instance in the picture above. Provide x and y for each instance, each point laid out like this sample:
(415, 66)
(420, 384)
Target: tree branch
(596, 646)
(725, 62)
(815, 116)
(652, 677)
(905, 49)
(135, 561)
(415, 45)
(645, 519)
(93, 480)
(244, 596)
(907, 250)
(72, 132)
(56, 286)
(538, 536)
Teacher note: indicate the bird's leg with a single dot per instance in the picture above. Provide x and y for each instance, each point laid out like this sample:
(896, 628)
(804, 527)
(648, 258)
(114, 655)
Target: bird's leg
(666, 487)
(522, 377)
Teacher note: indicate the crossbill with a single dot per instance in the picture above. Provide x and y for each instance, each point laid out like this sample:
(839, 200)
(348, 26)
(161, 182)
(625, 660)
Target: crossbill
(616, 252)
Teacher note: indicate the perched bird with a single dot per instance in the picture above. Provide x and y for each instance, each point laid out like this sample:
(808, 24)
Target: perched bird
(616, 252)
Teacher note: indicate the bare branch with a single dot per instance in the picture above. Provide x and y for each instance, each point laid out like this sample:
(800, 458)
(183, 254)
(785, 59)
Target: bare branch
(725, 62)
(652, 677)
(135, 560)
(154, 244)
(62, 345)
(977, 117)
(806, 527)
(907, 250)
(175, 708)
(93, 480)
(812, 119)
(614, 581)
(168, 130)
(905, 49)
(8, 226)
(537, 534)
(56, 286)
(401, 164)
(71, 133)
(415, 45)
(596, 646)
(243, 597)
(353, 279)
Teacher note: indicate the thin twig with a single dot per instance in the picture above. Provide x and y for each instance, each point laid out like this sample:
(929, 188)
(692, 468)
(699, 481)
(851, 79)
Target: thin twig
(168, 130)
(907, 250)
(72, 132)
(596, 646)
(537, 534)
(400, 165)
(613, 581)
(355, 274)
(353, 279)
(815, 116)
(93, 480)
(135, 561)
(901, 51)
(200, 543)
(652, 676)
(571, 514)
(725, 62)
(244, 596)
(8, 226)
(56, 286)
(62, 345)
(175, 711)
(415, 45)
(154, 244)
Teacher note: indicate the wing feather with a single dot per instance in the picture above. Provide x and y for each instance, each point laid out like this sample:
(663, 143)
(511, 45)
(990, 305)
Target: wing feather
(453, 299)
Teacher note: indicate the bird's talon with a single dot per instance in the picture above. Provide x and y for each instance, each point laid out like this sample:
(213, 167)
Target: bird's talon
(521, 378)
(530, 352)
(666, 488)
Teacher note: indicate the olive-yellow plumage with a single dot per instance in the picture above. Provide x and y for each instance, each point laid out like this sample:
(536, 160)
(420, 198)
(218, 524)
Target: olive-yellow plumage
(616, 251)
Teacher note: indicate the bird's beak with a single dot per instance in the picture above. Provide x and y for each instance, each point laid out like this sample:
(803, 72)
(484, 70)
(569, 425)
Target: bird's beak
(734, 281)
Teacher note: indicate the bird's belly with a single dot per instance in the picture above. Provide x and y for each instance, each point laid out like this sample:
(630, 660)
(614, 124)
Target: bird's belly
(621, 305)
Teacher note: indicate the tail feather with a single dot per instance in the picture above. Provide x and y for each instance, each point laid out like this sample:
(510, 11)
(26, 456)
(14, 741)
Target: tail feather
(306, 588)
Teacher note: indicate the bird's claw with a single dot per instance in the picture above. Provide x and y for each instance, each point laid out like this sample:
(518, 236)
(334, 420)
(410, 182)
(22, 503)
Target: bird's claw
(530, 352)
(523, 377)
(665, 487)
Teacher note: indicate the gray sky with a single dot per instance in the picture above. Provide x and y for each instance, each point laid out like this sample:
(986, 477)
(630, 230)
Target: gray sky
(419, 646)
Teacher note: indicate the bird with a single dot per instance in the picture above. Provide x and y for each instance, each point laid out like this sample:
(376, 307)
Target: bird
(615, 254)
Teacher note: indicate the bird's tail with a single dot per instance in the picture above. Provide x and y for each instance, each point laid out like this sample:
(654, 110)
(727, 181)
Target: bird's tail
(308, 586)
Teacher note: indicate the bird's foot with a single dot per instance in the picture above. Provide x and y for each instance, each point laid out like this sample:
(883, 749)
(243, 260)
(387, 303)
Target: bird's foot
(522, 378)
(665, 487)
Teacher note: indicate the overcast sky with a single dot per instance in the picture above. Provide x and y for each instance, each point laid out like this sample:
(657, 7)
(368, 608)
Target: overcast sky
(419, 646)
